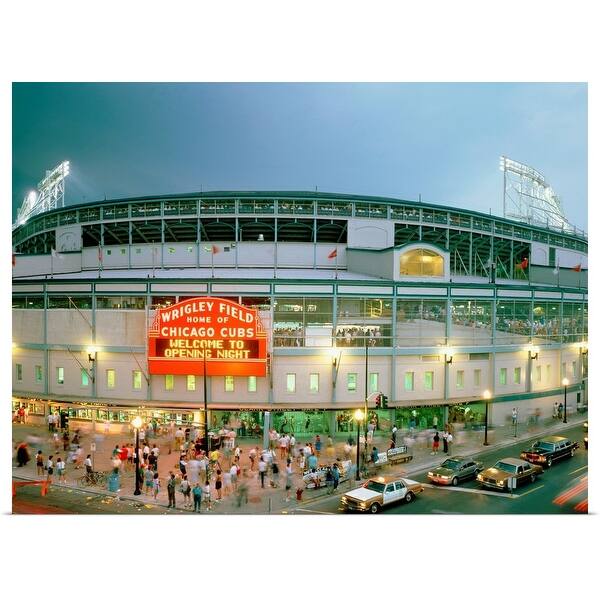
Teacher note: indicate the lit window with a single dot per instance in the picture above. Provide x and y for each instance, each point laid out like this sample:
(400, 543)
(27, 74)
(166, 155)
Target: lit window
(538, 374)
(136, 379)
(477, 377)
(19, 372)
(314, 383)
(460, 380)
(229, 383)
(85, 378)
(409, 381)
(291, 382)
(422, 263)
(428, 381)
(191, 383)
(517, 375)
(110, 378)
(169, 383)
(503, 372)
(373, 382)
(252, 383)
(38, 373)
(60, 375)
(351, 382)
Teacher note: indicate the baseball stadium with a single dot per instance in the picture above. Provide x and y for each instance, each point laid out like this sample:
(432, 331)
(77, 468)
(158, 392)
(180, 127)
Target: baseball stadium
(292, 309)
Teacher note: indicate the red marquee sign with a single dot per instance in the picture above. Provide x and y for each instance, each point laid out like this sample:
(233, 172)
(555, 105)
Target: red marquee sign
(223, 336)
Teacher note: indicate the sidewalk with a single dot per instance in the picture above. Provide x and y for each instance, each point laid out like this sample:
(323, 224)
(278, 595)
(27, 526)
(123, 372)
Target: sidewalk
(267, 500)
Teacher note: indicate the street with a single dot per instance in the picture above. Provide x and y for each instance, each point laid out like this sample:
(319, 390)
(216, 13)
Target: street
(470, 498)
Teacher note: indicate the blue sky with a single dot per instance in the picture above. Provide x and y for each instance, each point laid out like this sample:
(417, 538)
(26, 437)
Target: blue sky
(442, 141)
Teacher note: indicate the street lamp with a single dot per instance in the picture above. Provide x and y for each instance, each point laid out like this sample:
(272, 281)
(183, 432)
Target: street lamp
(137, 423)
(565, 383)
(486, 396)
(358, 417)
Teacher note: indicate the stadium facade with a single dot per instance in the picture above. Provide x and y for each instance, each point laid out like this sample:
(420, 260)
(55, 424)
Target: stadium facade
(429, 305)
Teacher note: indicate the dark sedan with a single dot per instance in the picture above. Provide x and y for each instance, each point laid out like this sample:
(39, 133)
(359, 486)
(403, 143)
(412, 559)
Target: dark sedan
(549, 449)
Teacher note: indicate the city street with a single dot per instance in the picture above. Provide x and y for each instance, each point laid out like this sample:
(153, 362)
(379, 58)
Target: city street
(470, 498)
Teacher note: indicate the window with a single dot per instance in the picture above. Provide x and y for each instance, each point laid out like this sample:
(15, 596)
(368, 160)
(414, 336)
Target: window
(169, 383)
(428, 381)
(314, 383)
(138, 250)
(460, 380)
(191, 383)
(552, 257)
(136, 380)
(19, 372)
(123, 251)
(538, 374)
(574, 365)
(109, 252)
(38, 373)
(563, 370)
(422, 263)
(85, 378)
(110, 378)
(517, 375)
(351, 382)
(252, 383)
(477, 377)
(548, 372)
(409, 381)
(60, 375)
(373, 382)
(503, 376)
(229, 383)
(291, 382)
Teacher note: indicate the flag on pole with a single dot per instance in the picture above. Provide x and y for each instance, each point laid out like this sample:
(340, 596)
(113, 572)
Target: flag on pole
(523, 264)
(212, 249)
(577, 268)
(56, 254)
(332, 254)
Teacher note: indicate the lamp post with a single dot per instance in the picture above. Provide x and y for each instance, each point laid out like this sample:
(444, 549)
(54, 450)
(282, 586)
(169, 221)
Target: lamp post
(137, 423)
(486, 396)
(358, 416)
(565, 383)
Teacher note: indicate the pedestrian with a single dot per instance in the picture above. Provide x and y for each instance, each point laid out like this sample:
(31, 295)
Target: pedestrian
(347, 451)
(60, 469)
(436, 443)
(65, 439)
(39, 463)
(301, 460)
(330, 448)
(445, 441)
(242, 495)
(336, 476)
(56, 441)
(219, 485)
(318, 445)
(262, 468)
(88, 465)
(179, 435)
(49, 469)
(148, 480)
(288, 480)
(116, 451)
(22, 454)
(171, 489)
(233, 472)
(283, 447)
(156, 485)
(394, 431)
(252, 456)
(275, 475)
(206, 495)
(292, 445)
(449, 439)
(197, 494)
(227, 482)
(185, 488)
(555, 411)
(329, 481)
(182, 464)
(312, 461)
(374, 455)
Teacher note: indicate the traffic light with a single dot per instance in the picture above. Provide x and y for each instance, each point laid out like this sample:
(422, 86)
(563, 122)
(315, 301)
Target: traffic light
(384, 400)
(378, 401)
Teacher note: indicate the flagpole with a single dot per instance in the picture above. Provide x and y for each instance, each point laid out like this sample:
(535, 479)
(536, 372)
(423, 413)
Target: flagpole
(52, 263)
(336, 261)
(212, 261)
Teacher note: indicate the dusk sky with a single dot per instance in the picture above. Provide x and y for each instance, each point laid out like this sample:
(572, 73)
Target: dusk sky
(442, 141)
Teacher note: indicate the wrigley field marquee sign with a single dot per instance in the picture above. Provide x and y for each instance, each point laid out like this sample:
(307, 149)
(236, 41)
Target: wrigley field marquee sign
(223, 336)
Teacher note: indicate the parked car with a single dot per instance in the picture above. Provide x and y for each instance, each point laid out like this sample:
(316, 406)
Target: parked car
(378, 492)
(585, 439)
(545, 451)
(455, 469)
(497, 476)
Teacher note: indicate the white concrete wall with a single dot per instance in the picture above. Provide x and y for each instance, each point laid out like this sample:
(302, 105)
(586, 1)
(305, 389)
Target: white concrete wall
(370, 233)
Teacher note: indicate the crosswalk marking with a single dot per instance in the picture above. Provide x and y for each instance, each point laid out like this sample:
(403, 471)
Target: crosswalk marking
(580, 469)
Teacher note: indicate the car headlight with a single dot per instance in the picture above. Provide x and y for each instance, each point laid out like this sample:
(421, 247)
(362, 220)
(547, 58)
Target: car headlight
(501, 482)
(430, 474)
(363, 505)
(543, 458)
(445, 477)
(585, 424)
(344, 501)
(585, 439)
(480, 477)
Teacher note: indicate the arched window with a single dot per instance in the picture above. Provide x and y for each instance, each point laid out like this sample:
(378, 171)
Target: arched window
(422, 263)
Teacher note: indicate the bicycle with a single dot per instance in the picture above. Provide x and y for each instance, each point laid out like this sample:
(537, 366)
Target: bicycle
(92, 478)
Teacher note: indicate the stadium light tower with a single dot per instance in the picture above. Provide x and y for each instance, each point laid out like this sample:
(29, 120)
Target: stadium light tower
(50, 194)
(529, 198)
